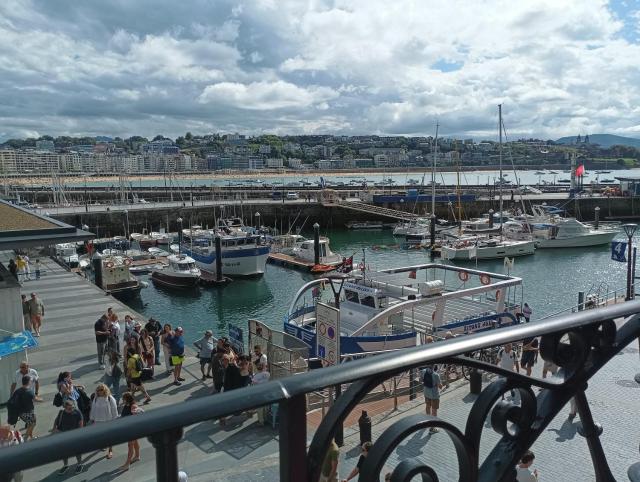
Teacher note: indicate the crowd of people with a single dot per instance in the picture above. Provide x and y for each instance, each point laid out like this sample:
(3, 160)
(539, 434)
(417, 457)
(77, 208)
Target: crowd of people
(20, 268)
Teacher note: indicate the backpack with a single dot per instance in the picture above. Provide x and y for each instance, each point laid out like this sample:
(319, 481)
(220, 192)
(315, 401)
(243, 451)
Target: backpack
(427, 379)
(139, 364)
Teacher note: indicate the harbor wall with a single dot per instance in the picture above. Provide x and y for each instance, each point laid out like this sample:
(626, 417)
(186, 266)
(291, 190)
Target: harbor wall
(283, 216)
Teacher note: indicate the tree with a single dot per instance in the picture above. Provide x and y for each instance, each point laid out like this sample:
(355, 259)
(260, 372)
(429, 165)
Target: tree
(188, 136)
(159, 137)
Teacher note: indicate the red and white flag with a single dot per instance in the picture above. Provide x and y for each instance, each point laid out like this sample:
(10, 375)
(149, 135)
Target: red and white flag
(412, 274)
(580, 170)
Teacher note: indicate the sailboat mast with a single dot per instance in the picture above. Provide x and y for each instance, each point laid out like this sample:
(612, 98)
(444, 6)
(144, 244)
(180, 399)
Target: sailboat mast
(500, 160)
(433, 173)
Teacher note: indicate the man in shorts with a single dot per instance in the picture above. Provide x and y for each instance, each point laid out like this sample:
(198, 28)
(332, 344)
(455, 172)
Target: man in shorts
(529, 354)
(549, 366)
(134, 374)
(432, 386)
(23, 399)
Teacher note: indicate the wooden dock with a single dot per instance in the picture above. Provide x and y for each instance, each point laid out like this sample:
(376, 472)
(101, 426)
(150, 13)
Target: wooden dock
(291, 262)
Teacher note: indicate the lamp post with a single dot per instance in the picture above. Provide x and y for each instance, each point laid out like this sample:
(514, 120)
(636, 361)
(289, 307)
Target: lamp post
(179, 220)
(630, 230)
(257, 216)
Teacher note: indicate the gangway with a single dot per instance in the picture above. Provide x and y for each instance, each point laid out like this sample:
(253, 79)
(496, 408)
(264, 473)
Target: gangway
(370, 209)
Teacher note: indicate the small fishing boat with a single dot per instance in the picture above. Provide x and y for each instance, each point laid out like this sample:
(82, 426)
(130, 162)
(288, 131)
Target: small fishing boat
(112, 273)
(181, 272)
(67, 254)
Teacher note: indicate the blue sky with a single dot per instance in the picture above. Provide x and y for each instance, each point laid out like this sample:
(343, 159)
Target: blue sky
(560, 67)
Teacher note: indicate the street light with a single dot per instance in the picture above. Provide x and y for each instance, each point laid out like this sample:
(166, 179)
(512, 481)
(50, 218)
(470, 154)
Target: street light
(257, 215)
(179, 220)
(630, 230)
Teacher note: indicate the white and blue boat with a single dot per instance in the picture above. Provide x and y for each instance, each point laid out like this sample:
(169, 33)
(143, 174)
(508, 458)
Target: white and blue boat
(398, 308)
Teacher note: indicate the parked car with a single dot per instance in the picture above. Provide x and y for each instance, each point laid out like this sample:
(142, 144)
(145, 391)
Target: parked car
(292, 195)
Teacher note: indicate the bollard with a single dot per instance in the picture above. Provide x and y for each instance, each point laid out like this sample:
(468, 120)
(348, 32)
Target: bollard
(364, 424)
(475, 382)
(596, 223)
(490, 218)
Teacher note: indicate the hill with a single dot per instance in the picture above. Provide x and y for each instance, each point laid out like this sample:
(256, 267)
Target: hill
(604, 140)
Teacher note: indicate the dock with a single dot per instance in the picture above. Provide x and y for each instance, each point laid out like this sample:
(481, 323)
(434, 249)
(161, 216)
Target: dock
(291, 262)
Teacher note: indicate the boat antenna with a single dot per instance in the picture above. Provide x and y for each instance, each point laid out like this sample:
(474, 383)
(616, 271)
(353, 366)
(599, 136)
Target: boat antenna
(433, 172)
(500, 179)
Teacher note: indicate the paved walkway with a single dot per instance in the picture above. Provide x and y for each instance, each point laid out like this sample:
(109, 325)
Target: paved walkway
(244, 451)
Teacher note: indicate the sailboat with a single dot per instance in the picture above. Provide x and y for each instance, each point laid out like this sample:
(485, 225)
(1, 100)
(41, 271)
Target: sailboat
(469, 247)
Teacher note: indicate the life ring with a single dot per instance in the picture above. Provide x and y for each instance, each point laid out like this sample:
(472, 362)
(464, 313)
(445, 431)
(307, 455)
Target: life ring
(109, 264)
(463, 275)
(127, 261)
(485, 279)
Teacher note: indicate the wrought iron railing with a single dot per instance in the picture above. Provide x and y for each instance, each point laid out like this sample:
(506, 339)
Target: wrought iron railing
(579, 343)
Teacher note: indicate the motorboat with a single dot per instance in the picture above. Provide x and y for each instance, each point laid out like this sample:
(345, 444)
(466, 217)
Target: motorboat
(469, 248)
(181, 272)
(607, 181)
(145, 241)
(305, 251)
(67, 254)
(162, 238)
(417, 230)
(112, 274)
(243, 254)
(569, 233)
(157, 252)
(398, 308)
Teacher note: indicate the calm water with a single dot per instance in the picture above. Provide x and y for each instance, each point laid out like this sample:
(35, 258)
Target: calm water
(551, 280)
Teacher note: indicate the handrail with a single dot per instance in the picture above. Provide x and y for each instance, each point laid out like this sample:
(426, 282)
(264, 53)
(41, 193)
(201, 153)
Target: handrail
(171, 419)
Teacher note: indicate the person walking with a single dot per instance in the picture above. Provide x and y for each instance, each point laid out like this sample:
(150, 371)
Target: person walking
(38, 268)
(217, 367)
(529, 354)
(101, 329)
(261, 376)
(134, 374)
(27, 267)
(130, 408)
(232, 378)
(147, 349)
(34, 382)
(9, 438)
(128, 327)
(154, 328)
(508, 360)
(523, 471)
(103, 409)
(26, 313)
(36, 310)
(176, 346)
(363, 456)
(527, 312)
(13, 269)
(432, 386)
(68, 419)
(329, 471)
(205, 347)
(166, 350)
(21, 264)
(113, 374)
(22, 402)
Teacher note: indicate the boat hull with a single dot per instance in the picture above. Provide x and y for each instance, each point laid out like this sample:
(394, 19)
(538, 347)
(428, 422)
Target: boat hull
(522, 248)
(596, 239)
(174, 281)
(124, 294)
(244, 262)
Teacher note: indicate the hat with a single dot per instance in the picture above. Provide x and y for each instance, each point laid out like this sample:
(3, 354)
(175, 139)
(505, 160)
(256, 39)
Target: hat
(136, 324)
(179, 328)
(208, 332)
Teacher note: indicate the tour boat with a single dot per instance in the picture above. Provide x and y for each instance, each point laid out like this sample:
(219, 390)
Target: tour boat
(398, 308)
(181, 272)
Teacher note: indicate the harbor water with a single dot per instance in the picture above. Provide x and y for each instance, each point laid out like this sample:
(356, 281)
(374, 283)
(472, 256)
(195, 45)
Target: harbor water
(551, 281)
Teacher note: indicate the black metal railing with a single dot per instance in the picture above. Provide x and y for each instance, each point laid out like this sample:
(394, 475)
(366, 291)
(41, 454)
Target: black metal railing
(579, 343)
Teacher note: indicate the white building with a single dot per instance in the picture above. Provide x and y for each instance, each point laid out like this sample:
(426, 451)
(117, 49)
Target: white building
(274, 163)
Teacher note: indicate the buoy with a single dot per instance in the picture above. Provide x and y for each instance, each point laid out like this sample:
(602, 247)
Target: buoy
(463, 275)
(484, 279)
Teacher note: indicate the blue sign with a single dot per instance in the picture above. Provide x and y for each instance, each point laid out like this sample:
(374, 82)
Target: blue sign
(16, 343)
(322, 352)
(618, 250)
(236, 339)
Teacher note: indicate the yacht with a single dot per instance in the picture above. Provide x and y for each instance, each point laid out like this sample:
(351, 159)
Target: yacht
(243, 254)
(469, 248)
(569, 233)
(302, 249)
(415, 230)
(399, 307)
(181, 272)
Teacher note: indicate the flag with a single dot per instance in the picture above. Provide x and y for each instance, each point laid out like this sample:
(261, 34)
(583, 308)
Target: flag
(473, 252)
(618, 250)
(580, 170)
(412, 274)
(508, 263)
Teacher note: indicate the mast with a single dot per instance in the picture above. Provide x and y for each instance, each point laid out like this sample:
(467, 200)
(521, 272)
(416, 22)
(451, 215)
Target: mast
(500, 160)
(433, 173)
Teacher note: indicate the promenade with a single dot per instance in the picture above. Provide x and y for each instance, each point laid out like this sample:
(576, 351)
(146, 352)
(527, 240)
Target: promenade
(244, 451)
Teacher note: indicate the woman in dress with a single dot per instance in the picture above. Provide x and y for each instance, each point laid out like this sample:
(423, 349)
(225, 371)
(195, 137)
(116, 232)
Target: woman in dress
(166, 331)
(147, 348)
(129, 408)
(103, 409)
(113, 373)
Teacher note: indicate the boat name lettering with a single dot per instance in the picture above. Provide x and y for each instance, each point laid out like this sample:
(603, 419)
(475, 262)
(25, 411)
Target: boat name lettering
(361, 289)
(479, 325)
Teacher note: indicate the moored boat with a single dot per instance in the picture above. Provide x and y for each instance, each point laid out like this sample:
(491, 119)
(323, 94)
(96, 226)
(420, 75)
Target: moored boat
(181, 272)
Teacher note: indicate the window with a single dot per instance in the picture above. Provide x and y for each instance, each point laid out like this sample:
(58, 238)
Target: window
(368, 301)
(351, 296)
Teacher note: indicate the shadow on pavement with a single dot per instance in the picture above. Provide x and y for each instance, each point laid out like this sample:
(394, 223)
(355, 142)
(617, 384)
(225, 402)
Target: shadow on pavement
(566, 432)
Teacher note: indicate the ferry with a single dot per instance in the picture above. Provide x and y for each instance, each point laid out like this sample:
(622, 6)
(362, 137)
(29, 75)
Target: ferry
(398, 308)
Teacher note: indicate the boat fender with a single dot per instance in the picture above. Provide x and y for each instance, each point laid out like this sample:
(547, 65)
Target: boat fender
(127, 261)
(109, 264)
(463, 275)
(485, 279)
(497, 294)
(433, 316)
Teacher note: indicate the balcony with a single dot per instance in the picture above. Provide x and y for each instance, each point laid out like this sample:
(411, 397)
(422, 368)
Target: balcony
(485, 446)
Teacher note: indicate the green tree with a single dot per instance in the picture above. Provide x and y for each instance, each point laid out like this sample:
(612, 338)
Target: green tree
(188, 136)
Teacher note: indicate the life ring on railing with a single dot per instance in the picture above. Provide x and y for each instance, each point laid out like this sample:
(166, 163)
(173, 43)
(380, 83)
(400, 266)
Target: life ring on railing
(109, 264)
(484, 279)
(127, 261)
(463, 275)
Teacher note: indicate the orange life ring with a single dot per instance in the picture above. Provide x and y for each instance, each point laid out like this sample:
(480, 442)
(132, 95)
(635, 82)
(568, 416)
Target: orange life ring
(109, 264)
(485, 279)
(463, 275)
(127, 261)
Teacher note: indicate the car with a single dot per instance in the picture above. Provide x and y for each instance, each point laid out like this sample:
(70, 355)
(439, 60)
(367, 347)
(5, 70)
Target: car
(292, 195)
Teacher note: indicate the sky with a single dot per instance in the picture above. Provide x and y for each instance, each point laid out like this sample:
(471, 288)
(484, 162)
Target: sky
(356, 67)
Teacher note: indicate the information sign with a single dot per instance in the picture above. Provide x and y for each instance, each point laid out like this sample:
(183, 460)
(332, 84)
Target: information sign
(327, 333)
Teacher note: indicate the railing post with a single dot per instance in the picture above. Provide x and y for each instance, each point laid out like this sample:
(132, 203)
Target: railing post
(293, 439)
(340, 427)
(166, 445)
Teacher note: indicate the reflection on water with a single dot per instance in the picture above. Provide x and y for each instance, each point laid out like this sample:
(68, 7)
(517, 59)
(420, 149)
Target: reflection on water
(551, 279)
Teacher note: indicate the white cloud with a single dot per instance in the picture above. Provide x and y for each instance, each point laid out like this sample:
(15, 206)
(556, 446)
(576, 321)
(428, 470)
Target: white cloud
(266, 95)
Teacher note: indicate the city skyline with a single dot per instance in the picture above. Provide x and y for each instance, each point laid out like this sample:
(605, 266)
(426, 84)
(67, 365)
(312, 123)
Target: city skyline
(346, 68)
